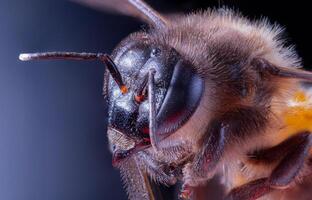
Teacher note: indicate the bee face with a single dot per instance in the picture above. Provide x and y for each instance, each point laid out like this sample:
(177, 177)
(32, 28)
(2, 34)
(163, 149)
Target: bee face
(178, 89)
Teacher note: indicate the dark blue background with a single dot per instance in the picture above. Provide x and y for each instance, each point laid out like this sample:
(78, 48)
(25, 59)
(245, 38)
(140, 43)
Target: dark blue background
(52, 114)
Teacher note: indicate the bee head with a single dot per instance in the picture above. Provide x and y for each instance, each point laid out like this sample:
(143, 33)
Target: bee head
(151, 90)
(177, 89)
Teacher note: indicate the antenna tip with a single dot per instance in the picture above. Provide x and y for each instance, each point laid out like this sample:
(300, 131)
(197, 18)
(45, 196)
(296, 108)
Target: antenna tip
(24, 57)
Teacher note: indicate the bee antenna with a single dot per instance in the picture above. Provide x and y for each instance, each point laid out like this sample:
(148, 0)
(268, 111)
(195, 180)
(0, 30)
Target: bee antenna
(152, 109)
(112, 68)
(134, 8)
(157, 19)
(141, 92)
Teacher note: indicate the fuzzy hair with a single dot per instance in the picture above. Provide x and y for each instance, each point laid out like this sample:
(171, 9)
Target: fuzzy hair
(212, 39)
(215, 42)
(201, 36)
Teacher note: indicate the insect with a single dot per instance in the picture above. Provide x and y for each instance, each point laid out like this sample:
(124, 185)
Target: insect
(206, 94)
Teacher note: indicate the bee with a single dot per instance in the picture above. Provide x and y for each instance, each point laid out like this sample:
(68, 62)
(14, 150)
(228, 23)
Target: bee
(203, 95)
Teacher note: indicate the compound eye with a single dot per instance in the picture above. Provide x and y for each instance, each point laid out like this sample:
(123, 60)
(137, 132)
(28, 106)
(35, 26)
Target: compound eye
(181, 100)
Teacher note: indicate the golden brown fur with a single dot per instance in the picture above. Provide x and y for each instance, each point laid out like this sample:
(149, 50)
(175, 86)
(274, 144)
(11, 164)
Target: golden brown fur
(212, 40)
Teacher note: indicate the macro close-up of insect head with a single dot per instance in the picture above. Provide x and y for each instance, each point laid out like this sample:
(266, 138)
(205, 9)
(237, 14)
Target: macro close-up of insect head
(155, 100)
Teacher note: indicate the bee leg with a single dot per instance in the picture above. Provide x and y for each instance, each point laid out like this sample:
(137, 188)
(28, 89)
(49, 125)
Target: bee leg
(205, 161)
(290, 166)
(250, 191)
(276, 153)
(222, 130)
(213, 146)
(282, 176)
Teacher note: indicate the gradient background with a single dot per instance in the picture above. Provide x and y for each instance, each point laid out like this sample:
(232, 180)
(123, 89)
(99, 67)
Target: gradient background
(52, 114)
